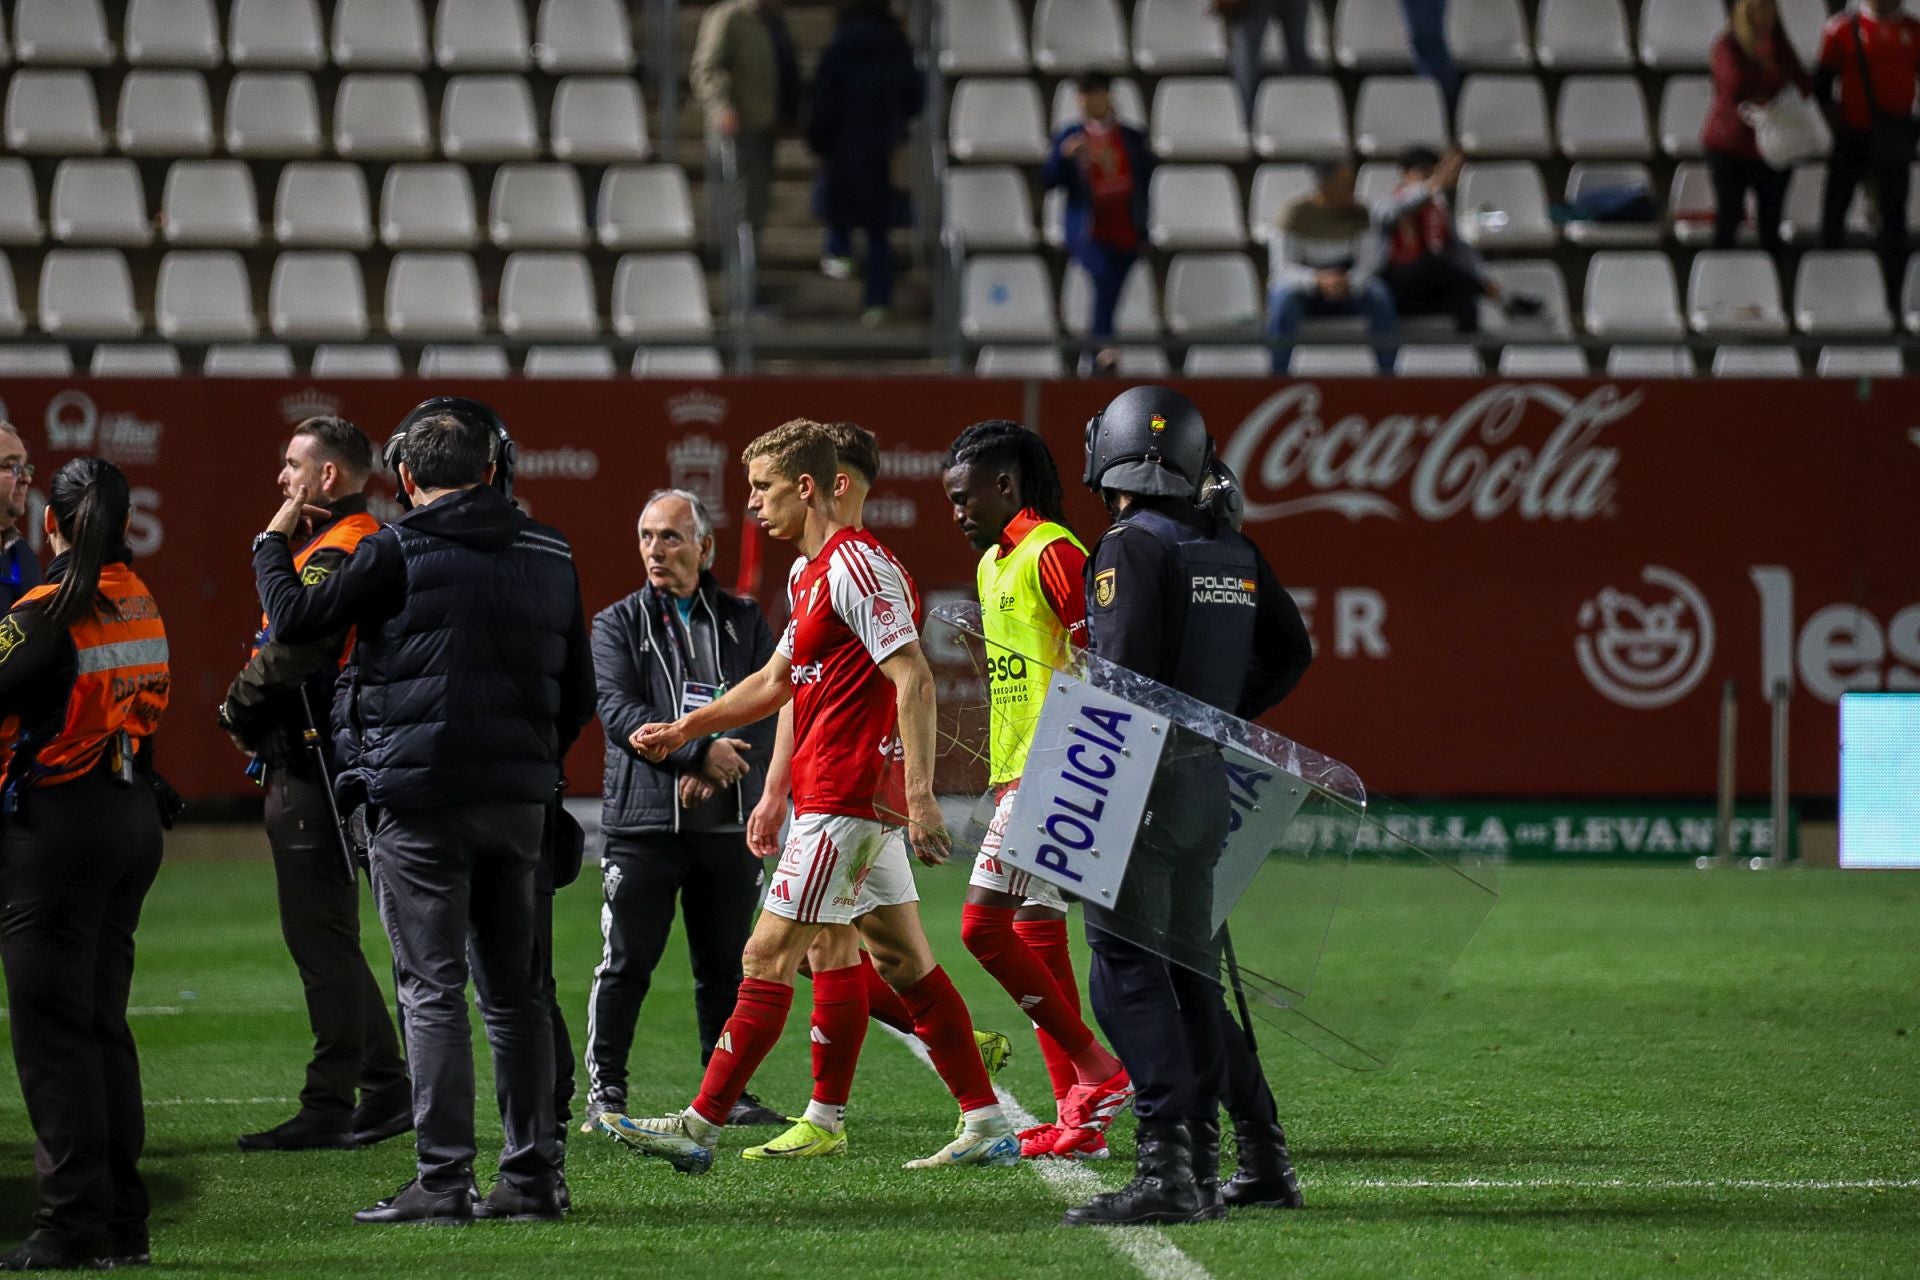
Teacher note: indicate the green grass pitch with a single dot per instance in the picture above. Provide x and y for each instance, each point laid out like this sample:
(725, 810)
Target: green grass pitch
(1633, 1072)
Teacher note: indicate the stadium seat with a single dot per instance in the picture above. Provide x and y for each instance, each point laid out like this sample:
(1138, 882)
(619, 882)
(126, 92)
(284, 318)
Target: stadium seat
(1489, 35)
(323, 205)
(1137, 316)
(1756, 362)
(984, 37)
(547, 294)
(488, 117)
(1539, 278)
(379, 35)
(677, 362)
(1806, 194)
(1910, 295)
(211, 204)
(172, 33)
(996, 361)
(1071, 36)
(41, 360)
(1375, 180)
(1649, 362)
(661, 297)
(1227, 362)
(1171, 36)
(276, 33)
(1273, 51)
(1370, 35)
(1691, 206)
(432, 295)
(1575, 35)
(262, 360)
(1053, 218)
(1397, 112)
(381, 116)
(1440, 361)
(1502, 206)
(356, 361)
(165, 113)
(1599, 175)
(19, 204)
(12, 321)
(1006, 295)
(1631, 293)
(145, 360)
(599, 120)
(275, 114)
(1860, 362)
(1804, 20)
(568, 362)
(98, 202)
(987, 207)
(1603, 118)
(1212, 294)
(463, 362)
(576, 36)
(317, 294)
(1300, 117)
(1334, 360)
(1504, 115)
(61, 33)
(204, 295)
(1683, 112)
(1128, 106)
(53, 113)
(1275, 187)
(1735, 293)
(87, 293)
(427, 206)
(645, 206)
(1840, 291)
(1195, 206)
(996, 119)
(1142, 361)
(1551, 361)
(480, 35)
(1678, 35)
(537, 206)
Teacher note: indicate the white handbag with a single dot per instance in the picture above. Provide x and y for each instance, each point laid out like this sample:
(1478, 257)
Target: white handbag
(1789, 129)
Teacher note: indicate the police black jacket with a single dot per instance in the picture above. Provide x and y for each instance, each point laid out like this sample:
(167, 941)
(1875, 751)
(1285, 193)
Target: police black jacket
(471, 675)
(639, 683)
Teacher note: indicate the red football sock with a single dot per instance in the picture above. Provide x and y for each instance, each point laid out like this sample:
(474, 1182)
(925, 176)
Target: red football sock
(759, 1014)
(1047, 939)
(839, 1029)
(992, 935)
(941, 1021)
(883, 1002)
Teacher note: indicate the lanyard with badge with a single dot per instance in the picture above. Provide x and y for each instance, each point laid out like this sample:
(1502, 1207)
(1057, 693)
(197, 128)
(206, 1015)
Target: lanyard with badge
(694, 694)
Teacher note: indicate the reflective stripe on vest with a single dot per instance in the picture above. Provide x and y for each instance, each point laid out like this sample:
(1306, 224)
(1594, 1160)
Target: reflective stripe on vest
(1019, 623)
(343, 535)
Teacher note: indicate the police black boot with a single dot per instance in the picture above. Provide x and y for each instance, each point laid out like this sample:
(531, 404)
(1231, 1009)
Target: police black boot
(1265, 1178)
(1162, 1190)
(1206, 1169)
(306, 1131)
(506, 1203)
(382, 1115)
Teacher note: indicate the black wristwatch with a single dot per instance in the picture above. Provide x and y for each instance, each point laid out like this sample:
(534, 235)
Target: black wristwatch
(262, 536)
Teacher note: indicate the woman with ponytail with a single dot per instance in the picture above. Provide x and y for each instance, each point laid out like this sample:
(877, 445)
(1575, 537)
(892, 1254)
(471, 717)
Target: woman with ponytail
(83, 683)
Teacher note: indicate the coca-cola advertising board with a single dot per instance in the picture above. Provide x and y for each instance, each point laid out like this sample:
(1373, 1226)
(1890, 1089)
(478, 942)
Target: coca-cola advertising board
(1514, 588)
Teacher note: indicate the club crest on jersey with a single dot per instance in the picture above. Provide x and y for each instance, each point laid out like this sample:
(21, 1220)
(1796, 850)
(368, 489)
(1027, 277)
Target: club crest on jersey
(1211, 588)
(1104, 587)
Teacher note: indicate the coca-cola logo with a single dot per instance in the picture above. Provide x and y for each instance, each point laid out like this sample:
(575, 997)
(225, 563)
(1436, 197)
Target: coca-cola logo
(1475, 461)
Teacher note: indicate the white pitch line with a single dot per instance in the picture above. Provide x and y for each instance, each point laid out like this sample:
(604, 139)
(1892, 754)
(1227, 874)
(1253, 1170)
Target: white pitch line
(214, 1102)
(1621, 1184)
(136, 1011)
(1147, 1248)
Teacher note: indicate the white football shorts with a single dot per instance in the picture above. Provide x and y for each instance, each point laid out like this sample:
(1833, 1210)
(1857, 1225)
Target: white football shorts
(991, 873)
(835, 869)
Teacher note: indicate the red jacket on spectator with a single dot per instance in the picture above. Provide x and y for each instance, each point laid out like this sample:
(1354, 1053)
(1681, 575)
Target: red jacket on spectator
(1893, 59)
(1738, 78)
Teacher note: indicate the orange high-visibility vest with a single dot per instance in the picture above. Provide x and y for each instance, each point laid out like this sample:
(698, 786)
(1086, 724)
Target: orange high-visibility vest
(344, 534)
(121, 679)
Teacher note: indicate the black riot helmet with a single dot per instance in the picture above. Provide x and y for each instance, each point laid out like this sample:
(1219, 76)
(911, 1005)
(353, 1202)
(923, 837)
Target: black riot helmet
(1148, 441)
(1220, 495)
(503, 454)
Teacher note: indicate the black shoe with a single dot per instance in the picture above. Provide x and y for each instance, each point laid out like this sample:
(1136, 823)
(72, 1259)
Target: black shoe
(386, 1114)
(506, 1203)
(1206, 1169)
(561, 1195)
(750, 1111)
(305, 1132)
(41, 1254)
(413, 1203)
(1265, 1178)
(1162, 1190)
(1523, 306)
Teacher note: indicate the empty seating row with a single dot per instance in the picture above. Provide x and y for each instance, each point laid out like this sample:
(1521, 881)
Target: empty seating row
(379, 115)
(207, 295)
(324, 204)
(468, 35)
(358, 360)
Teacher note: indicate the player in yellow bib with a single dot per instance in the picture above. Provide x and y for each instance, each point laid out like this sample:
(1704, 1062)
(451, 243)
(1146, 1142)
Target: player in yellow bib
(1006, 498)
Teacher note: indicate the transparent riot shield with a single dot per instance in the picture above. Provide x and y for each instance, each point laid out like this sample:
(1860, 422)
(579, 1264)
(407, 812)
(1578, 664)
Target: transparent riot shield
(1213, 842)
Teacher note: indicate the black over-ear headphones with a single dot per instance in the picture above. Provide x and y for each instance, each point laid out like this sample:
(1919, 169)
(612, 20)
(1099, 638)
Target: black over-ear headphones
(502, 453)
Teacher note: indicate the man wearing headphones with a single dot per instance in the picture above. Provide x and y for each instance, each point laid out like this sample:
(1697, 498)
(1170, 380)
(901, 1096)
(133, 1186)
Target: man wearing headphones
(470, 680)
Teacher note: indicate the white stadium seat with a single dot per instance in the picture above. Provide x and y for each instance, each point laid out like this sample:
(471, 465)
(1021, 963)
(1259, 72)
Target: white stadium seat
(645, 206)
(165, 113)
(432, 295)
(1128, 106)
(317, 294)
(463, 362)
(1910, 295)
(1806, 194)
(1137, 316)
(661, 297)
(1439, 361)
(1502, 206)
(1677, 35)
(98, 202)
(1300, 117)
(1334, 360)
(12, 321)
(1840, 291)
(1489, 35)
(39, 360)
(357, 360)
(1375, 181)
(64, 33)
(1394, 113)
(19, 204)
(427, 206)
(1756, 362)
(1535, 277)
(1204, 361)
(144, 360)
(172, 33)
(996, 119)
(87, 293)
(1631, 293)
(209, 203)
(1735, 293)
(1006, 296)
(53, 113)
(984, 37)
(381, 116)
(1171, 36)
(988, 207)
(1195, 206)
(1603, 118)
(575, 36)
(1649, 362)
(1599, 175)
(1804, 20)
(568, 362)
(547, 294)
(276, 33)
(537, 206)
(1572, 35)
(997, 361)
(1275, 188)
(1691, 206)
(323, 205)
(204, 295)
(480, 35)
(1551, 361)
(1504, 115)
(1859, 362)
(677, 362)
(379, 35)
(248, 360)
(273, 114)
(599, 120)
(1071, 36)
(1212, 294)
(1370, 35)
(1683, 111)
(488, 117)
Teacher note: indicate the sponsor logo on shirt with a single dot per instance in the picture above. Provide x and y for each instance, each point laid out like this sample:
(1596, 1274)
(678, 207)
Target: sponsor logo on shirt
(892, 747)
(807, 673)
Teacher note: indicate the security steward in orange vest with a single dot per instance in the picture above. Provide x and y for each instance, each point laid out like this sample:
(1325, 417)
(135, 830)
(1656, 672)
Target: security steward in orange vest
(355, 1051)
(83, 682)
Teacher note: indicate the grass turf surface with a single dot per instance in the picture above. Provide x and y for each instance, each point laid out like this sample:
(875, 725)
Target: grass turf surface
(1632, 1072)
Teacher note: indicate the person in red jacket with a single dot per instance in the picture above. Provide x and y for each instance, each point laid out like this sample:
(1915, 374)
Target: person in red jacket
(1876, 45)
(1753, 61)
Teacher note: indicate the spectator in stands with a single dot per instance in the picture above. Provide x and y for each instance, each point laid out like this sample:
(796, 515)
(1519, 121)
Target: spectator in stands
(1874, 52)
(748, 81)
(1432, 57)
(1425, 265)
(19, 568)
(866, 91)
(1104, 166)
(1752, 62)
(1246, 22)
(1326, 261)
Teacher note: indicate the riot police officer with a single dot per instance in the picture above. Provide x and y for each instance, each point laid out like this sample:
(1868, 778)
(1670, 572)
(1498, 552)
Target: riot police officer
(1156, 606)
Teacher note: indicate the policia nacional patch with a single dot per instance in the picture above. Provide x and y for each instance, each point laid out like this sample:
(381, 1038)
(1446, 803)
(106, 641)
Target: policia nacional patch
(11, 637)
(1103, 587)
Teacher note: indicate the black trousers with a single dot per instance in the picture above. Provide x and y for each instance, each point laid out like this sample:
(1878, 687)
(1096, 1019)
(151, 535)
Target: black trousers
(354, 1046)
(1733, 176)
(1435, 286)
(75, 868)
(447, 880)
(563, 1083)
(717, 883)
(1852, 160)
